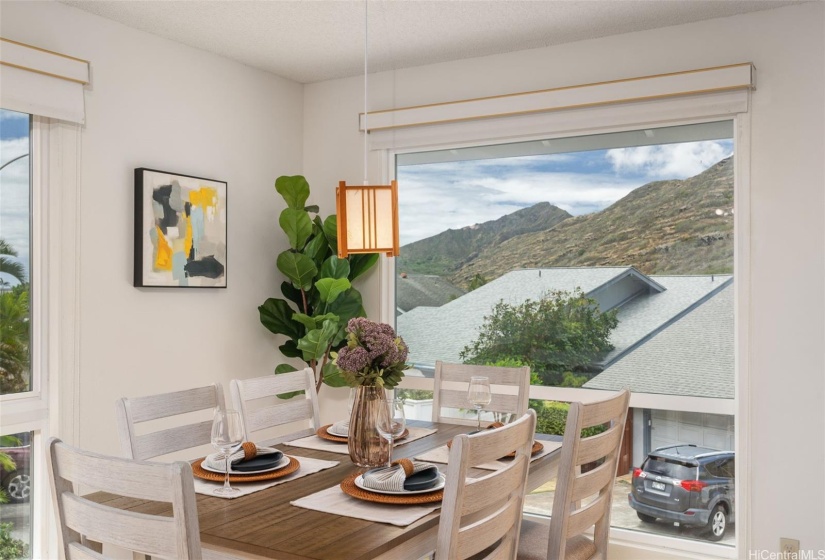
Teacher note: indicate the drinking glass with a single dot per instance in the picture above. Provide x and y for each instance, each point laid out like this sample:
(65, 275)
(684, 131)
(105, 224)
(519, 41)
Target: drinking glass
(479, 395)
(227, 437)
(391, 422)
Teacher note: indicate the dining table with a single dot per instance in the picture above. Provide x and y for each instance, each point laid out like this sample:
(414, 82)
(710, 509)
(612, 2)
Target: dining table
(266, 525)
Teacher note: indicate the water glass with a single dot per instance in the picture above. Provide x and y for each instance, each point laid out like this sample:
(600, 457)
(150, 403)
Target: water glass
(391, 422)
(227, 437)
(479, 395)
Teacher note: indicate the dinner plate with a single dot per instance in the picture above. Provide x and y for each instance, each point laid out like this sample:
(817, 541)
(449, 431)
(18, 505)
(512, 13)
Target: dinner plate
(279, 465)
(331, 430)
(442, 481)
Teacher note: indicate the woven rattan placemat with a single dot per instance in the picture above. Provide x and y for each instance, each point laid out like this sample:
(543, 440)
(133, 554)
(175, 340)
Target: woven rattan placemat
(349, 487)
(324, 434)
(200, 472)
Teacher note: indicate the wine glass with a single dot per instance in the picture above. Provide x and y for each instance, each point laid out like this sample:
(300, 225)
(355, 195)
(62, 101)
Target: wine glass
(227, 437)
(391, 422)
(479, 395)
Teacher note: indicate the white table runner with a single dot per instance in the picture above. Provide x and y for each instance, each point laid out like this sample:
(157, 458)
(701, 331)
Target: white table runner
(334, 501)
(441, 455)
(319, 444)
(308, 466)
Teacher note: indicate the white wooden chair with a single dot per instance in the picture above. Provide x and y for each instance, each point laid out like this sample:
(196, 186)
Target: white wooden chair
(261, 409)
(134, 411)
(84, 525)
(594, 489)
(452, 380)
(480, 517)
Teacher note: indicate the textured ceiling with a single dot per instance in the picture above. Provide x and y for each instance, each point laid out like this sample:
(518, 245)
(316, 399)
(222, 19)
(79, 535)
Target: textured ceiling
(315, 40)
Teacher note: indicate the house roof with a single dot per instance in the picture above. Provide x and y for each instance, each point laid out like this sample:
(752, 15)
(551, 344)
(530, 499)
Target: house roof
(441, 333)
(428, 290)
(700, 342)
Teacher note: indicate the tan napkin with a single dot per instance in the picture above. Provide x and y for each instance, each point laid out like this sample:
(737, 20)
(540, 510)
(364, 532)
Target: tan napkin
(247, 451)
(392, 478)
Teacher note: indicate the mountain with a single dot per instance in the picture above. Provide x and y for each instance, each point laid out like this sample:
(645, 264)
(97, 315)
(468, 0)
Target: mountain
(664, 227)
(450, 250)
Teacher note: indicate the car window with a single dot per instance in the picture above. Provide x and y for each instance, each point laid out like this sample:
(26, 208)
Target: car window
(669, 468)
(721, 468)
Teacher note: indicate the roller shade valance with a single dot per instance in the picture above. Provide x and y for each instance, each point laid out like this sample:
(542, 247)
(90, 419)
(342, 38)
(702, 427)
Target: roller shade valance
(42, 82)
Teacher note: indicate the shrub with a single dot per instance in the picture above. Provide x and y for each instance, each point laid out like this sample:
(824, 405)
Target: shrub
(11, 548)
(551, 418)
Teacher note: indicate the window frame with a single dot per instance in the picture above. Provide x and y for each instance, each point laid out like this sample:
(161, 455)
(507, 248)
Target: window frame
(739, 407)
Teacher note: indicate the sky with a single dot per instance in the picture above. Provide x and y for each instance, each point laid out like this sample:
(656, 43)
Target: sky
(14, 185)
(461, 194)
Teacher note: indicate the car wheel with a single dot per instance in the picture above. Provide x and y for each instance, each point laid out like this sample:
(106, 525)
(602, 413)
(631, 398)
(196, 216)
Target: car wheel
(18, 487)
(646, 518)
(717, 523)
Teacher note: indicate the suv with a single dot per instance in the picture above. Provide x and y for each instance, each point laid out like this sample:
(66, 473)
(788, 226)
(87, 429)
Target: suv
(15, 481)
(687, 484)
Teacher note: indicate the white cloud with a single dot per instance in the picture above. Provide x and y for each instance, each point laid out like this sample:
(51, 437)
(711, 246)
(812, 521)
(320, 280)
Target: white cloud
(669, 161)
(14, 197)
(6, 115)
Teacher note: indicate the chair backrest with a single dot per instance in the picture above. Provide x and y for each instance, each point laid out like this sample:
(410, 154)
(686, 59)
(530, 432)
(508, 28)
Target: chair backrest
(133, 411)
(484, 513)
(261, 408)
(594, 488)
(452, 380)
(81, 520)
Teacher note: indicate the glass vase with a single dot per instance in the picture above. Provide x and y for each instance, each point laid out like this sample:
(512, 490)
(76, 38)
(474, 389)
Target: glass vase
(366, 446)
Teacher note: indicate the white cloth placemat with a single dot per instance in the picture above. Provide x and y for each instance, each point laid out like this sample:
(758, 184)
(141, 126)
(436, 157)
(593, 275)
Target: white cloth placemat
(441, 455)
(334, 501)
(314, 442)
(308, 466)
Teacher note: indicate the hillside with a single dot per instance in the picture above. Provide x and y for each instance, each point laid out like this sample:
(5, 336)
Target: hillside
(448, 251)
(664, 227)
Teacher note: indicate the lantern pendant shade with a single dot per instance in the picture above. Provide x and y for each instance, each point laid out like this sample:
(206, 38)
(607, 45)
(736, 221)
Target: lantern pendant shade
(367, 219)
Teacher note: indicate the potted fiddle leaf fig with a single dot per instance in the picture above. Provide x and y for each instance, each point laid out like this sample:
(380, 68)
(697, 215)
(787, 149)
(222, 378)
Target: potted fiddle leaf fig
(319, 298)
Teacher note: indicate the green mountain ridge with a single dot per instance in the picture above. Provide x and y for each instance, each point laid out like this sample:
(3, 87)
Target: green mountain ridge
(663, 227)
(450, 250)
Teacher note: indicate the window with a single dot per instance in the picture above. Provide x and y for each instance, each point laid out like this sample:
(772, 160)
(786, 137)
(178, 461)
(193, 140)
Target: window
(602, 262)
(16, 372)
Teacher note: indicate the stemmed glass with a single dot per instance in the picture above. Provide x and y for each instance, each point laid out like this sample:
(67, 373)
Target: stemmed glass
(391, 422)
(227, 437)
(479, 395)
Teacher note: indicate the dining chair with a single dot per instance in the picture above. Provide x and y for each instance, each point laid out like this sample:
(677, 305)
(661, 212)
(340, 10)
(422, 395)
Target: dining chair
(84, 526)
(137, 410)
(480, 517)
(452, 380)
(261, 408)
(582, 499)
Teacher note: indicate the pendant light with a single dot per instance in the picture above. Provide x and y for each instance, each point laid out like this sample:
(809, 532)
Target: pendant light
(367, 214)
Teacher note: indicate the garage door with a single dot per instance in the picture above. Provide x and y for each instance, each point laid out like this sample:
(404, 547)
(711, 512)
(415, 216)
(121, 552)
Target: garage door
(708, 430)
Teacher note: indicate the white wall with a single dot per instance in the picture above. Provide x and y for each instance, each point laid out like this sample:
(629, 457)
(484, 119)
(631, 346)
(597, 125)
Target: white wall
(787, 195)
(159, 104)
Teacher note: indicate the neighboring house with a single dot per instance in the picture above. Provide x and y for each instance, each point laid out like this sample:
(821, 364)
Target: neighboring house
(423, 290)
(693, 356)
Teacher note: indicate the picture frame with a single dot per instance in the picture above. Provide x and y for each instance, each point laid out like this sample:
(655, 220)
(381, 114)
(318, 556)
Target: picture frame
(180, 230)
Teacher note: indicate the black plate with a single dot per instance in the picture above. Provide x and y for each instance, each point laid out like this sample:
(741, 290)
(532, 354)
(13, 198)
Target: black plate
(259, 463)
(422, 479)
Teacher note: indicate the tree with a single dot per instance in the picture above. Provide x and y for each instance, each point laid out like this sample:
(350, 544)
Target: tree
(559, 336)
(319, 295)
(14, 340)
(8, 264)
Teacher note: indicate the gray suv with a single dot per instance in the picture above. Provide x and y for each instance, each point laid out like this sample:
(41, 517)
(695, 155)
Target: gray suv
(687, 484)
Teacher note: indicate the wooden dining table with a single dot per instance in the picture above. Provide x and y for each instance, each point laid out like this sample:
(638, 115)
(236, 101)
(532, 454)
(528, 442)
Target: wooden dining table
(264, 525)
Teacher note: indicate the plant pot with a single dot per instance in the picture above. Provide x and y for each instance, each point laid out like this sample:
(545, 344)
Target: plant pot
(366, 446)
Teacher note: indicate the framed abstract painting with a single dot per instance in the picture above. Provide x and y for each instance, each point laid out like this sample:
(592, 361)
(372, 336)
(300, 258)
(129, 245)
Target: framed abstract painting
(180, 231)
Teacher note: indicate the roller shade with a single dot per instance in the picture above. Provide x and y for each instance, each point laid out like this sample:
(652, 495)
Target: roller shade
(41, 82)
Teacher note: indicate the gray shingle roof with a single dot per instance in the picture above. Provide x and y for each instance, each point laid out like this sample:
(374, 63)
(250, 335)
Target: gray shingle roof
(440, 333)
(693, 356)
(429, 290)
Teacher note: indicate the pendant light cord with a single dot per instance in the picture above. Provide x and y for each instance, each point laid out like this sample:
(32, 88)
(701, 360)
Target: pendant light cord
(366, 54)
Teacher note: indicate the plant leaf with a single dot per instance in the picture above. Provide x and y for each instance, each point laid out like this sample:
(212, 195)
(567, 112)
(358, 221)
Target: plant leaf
(330, 288)
(347, 305)
(294, 189)
(359, 264)
(284, 368)
(292, 293)
(333, 376)
(316, 249)
(334, 267)
(314, 345)
(312, 208)
(305, 320)
(331, 232)
(298, 268)
(297, 225)
(276, 315)
(290, 349)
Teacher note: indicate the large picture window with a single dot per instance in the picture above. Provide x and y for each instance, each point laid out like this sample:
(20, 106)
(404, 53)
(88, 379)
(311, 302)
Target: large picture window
(602, 262)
